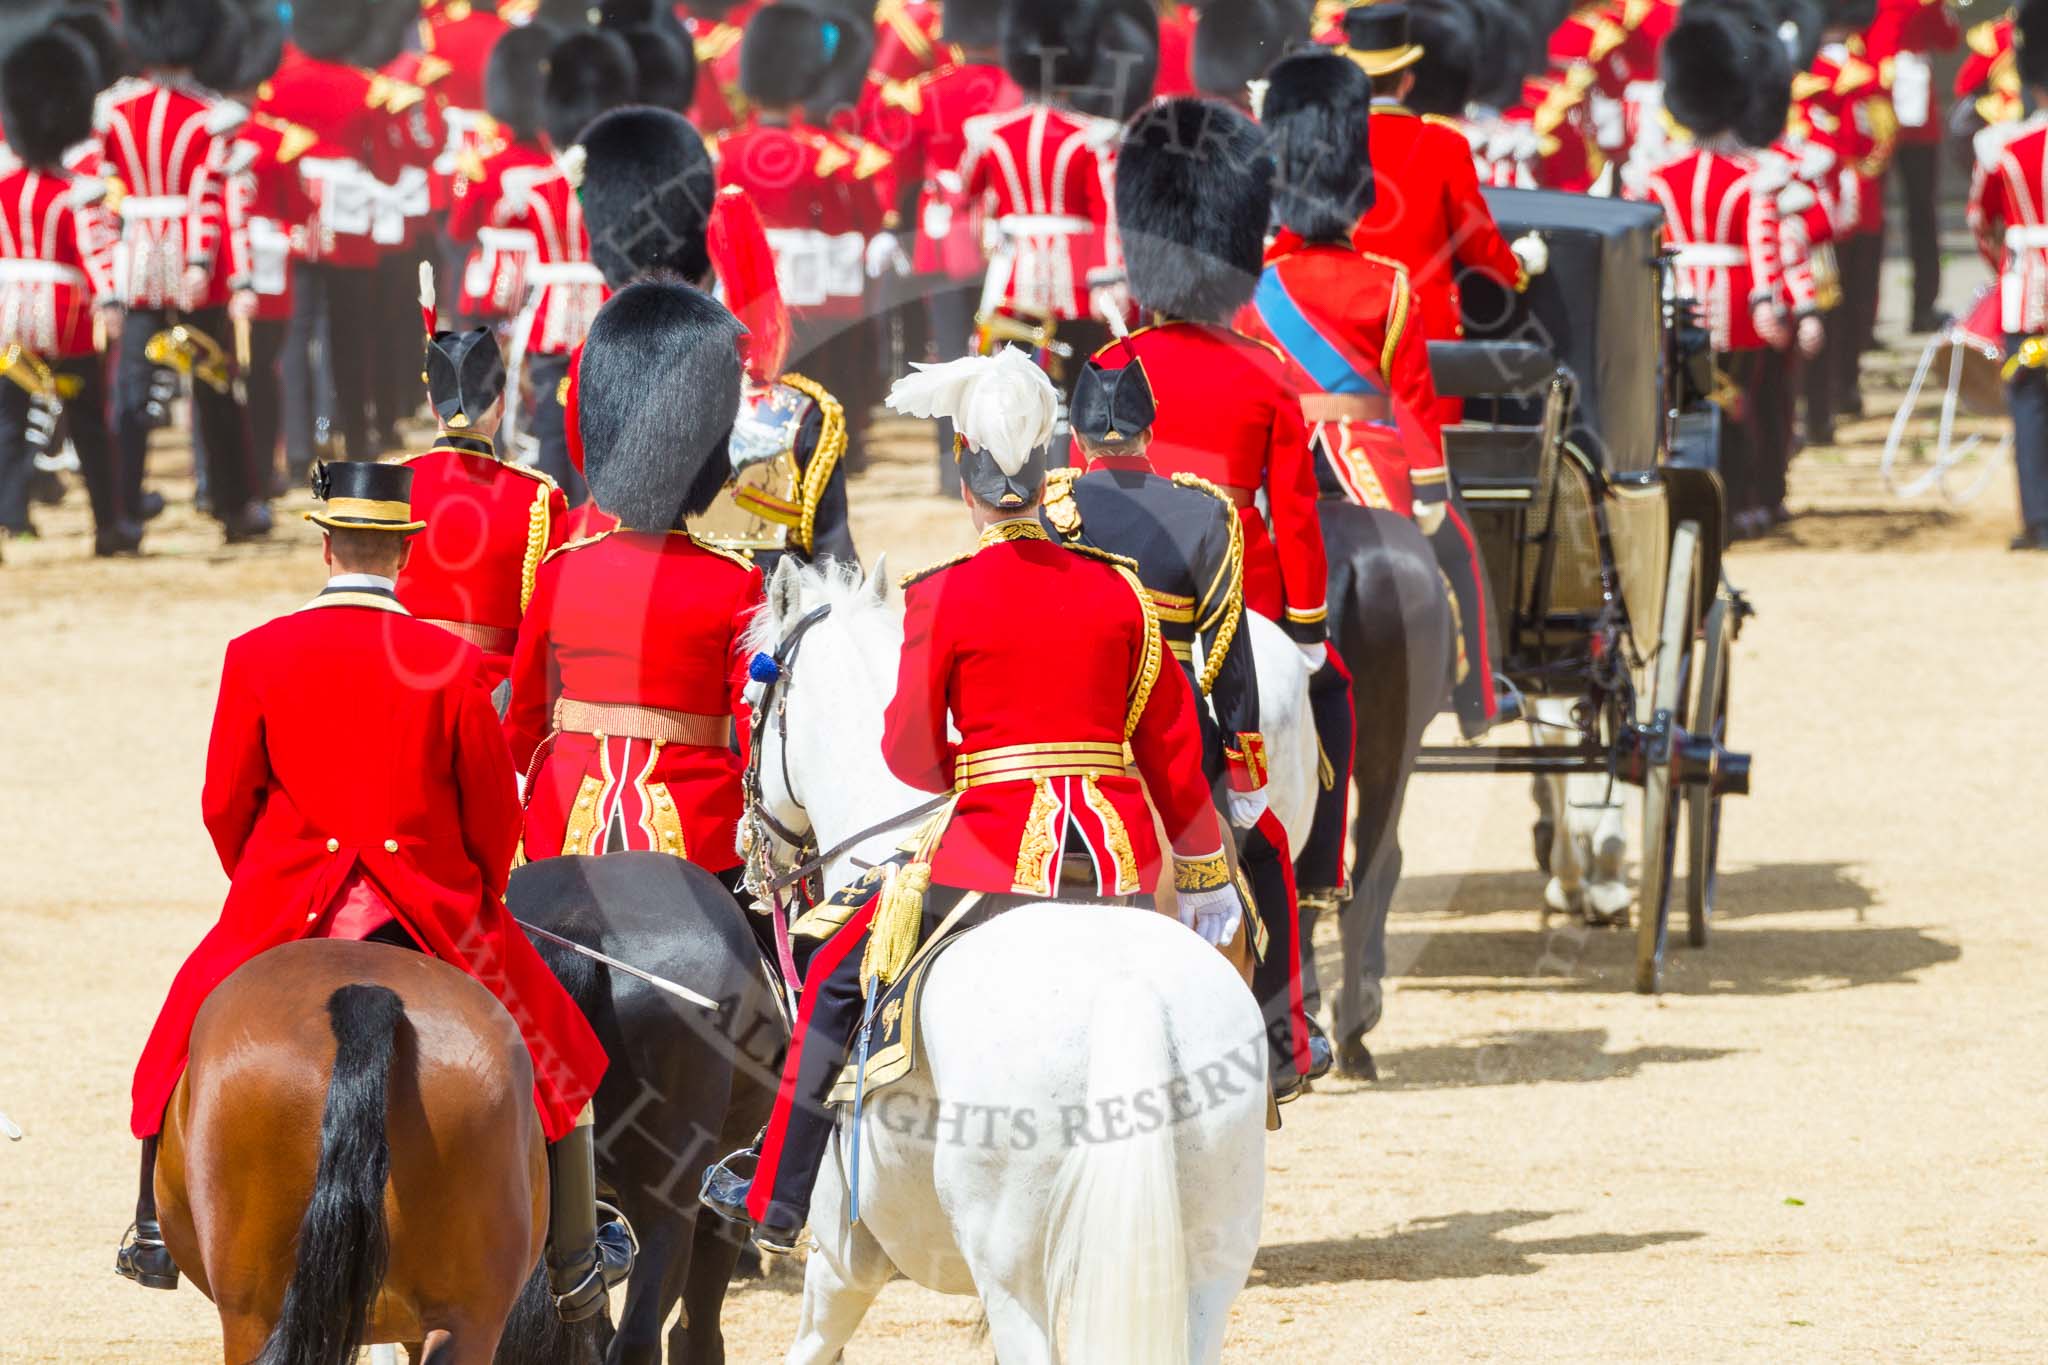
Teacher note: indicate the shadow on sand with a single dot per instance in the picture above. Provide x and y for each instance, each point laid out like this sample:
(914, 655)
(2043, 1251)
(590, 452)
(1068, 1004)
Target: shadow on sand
(1526, 1057)
(1457, 1246)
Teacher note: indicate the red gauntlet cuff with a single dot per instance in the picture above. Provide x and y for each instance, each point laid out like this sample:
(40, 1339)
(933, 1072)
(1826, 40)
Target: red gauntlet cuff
(1247, 762)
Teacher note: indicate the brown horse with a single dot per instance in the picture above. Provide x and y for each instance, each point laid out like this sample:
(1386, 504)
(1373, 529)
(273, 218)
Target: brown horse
(353, 1157)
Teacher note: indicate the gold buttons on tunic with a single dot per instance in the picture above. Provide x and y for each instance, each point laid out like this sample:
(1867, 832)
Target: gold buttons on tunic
(334, 845)
(391, 845)
(311, 916)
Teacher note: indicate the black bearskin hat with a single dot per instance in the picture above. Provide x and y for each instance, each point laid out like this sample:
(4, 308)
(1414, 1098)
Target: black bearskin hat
(515, 80)
(1503, 43)
(2030, 42)
(589, 72)
(392, 24)
(465, 375)
(331, 30)
(48, 82)
(1770, 104)
(568, 15)
(845, 81)
(249, 47)
(1194, 193)
(786, 54)
(1449, 66)
(647, 193)
(1851, 15)
(1126, 62)
(91, 23)
(656, 399)
(170, 34)
(972, 23)
(1237, 42)
(1318, 120)
(1707, 84)
(666, 67)
(1049, 45)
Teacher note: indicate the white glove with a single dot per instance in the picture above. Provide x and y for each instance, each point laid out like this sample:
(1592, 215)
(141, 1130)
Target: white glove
(1429, 516)
(1317, 655)
(1533, 252)
(1246, 807)
(885, 256)
(1813, 334)
(1770, 324)
(1214, 914)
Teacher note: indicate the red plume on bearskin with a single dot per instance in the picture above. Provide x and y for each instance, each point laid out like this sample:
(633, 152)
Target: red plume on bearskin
(745, 265)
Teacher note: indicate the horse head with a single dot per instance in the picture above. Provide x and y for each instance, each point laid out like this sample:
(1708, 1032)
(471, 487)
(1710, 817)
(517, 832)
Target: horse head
(824, 648)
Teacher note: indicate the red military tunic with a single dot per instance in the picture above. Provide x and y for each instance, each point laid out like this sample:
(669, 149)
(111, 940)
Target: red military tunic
(907, 40)
(1989, 75)
(354, 158)
(821, 196)
(463, 44)
(567, 288)
(1844, 88)
(49, 235)
(158, 159)
(489, 526)
(1048, 663)
(1723, 224)
(719, 104)
(1428, 215)
(1230, 412)
(654, 624)
(270, 211)
(413, 795)
(2009, 214)
(1343, 317)
(1560, 153)
(1176, 51)
(494, 274)
(922, 123)
(1046, 178)
(1905, 35)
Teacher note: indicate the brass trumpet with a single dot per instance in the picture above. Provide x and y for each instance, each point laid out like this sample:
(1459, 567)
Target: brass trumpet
(192, 352)
(34, 374)
(991, 329)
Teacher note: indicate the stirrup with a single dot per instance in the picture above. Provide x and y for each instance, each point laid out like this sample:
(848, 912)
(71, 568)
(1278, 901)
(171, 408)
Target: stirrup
(145, 1259)
(587, 1296)
(723, 1189)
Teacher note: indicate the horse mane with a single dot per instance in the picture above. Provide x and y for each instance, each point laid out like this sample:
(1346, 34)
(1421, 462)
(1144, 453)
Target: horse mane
(841, 586)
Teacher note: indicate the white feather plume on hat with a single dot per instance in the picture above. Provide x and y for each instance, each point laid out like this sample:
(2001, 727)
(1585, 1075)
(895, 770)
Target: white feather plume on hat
(999, 403)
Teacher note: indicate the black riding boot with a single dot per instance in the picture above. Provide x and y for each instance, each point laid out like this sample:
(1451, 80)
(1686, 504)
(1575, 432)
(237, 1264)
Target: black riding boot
(584, 1259)
(143, 1257)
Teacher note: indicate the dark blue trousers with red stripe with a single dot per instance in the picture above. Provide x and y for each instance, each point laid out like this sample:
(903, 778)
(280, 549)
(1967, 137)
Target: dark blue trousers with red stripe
(1457, 554)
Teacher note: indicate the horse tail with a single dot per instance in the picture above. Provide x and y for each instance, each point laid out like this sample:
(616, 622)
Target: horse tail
(1116, 1261)
(342, 1246)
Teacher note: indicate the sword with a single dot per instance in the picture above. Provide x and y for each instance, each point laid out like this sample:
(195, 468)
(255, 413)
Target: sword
(606, 959)
(860, 1091)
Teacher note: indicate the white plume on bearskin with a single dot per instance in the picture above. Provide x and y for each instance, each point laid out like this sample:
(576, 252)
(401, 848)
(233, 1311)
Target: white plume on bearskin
(1002, 404)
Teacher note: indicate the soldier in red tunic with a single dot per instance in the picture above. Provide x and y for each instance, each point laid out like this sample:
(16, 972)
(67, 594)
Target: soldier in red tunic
(513, 150)
(50, 231)
(325, 837)
(627, 680)
(1230, 408)
(462, 34)
(156, 156)
(910, 40)
(1904, 39)
(1046, 663)
(490, 523)
(1843, 87)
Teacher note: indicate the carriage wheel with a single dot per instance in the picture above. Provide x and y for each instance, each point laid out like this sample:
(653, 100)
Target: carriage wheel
(1703, 806)
(1672, 670)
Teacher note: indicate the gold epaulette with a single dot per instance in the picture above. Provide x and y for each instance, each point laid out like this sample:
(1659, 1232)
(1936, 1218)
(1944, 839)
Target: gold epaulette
(1855, 75)
(716, 41)
(930, 570)
(1607, 36)
(432, 69)
(869, 159)
(1635, 11)
(575, 545)
(391, 94)
(892, 13)
(1124, 562)
(832, 155)
(531, 471)
(1060, 508)
(734, 555)
(906, 95)
(1807, 84)
(824, 459)
(1442, 121)
(1983, 39)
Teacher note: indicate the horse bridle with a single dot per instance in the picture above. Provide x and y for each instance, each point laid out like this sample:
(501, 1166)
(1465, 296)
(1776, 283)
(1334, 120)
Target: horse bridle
(773, 671)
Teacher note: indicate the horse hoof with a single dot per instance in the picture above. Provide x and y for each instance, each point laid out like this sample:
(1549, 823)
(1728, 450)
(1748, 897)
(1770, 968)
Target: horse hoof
(1354, 1060)
(1563, 902)
(1544, 835)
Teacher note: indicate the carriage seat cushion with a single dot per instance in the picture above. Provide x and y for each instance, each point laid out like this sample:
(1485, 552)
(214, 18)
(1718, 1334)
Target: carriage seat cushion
(1495, 456)
(1482, 369)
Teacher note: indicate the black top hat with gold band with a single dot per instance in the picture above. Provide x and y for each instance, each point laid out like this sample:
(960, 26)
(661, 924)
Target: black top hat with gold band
(465, 375)
(363, 495)
(1112, 406)
(1376, 37)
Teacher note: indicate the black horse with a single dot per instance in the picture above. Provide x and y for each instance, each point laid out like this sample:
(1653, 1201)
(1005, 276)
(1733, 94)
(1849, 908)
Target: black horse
(685, 1085)
(1390, 620)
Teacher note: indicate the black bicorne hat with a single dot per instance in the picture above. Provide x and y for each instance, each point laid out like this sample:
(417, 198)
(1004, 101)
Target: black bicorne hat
(465, 375)
(364, 495)
(1376, 36)
(991, 486)
(1111, 406)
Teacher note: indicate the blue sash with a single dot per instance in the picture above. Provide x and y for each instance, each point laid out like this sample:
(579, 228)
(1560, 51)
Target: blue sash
(1325, 362)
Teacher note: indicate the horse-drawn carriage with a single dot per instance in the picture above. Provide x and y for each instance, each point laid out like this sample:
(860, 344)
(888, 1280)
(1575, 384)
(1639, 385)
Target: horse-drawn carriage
(1591, 484)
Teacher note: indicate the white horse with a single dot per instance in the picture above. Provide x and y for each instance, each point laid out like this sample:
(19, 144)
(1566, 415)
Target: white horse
(1083, 1143)
(1584, 823)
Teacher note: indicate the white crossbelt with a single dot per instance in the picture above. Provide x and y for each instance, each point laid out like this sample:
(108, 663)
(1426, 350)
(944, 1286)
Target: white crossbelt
(543, 274)
(17, 271)
(154, 208)
(1711, 255)
(2025, 237)
(1042, 225)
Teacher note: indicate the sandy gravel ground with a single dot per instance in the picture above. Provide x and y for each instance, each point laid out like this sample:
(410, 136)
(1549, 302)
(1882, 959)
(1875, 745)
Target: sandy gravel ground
(1823, 1143)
